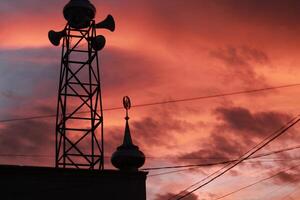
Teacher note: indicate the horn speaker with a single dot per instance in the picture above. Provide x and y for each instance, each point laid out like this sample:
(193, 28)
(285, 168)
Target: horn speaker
(98, 42)
(108, 23)
(55, 37)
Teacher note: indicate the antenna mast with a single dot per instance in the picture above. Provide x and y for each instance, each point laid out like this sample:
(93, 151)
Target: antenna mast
(79, 119)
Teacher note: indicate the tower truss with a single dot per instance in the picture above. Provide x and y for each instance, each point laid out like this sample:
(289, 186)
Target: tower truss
(79, 120)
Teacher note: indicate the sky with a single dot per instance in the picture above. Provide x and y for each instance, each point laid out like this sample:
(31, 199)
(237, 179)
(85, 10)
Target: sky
(166, 50)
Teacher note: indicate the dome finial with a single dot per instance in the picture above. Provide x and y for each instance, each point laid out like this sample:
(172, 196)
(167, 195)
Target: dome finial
(127, 105)
(127, 141)
(128, 157)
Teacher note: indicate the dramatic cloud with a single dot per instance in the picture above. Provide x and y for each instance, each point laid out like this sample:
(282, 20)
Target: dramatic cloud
(240, 63)
(291, 176)
(237, 131)
(160, 129)
(272, 12)
(241, 121)
(169, 195)
(218, 147)
(27, 138)
(162, 50)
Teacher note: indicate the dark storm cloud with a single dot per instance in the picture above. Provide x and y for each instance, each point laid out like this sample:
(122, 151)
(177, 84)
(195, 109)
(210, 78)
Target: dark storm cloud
(169, 195)
(237, 131)
(218, 147)
(240, 63)
(158, 129)
(152, 130)
(242, 120)
(291, 176)
(26, 138)
(272, 12)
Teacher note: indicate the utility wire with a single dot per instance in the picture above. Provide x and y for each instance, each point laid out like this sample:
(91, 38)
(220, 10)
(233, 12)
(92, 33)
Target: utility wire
(191, 168)
(257, 156)
(198, 182)
(248, 154)
(223, 162)
(256, 148)
(171, 172)
(187, 167)
(212, 164)
(165, 102)
(257, 182)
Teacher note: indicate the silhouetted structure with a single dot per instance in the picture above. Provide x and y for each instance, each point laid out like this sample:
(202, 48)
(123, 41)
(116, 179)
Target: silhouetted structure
(37, 183)
(79, 121)
(128, 157)
(79, 115)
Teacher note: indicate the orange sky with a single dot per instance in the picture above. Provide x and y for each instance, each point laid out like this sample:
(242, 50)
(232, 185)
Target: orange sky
(164, 50)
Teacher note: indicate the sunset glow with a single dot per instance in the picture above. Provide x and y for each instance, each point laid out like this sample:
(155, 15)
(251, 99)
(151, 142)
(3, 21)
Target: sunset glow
(165, 50)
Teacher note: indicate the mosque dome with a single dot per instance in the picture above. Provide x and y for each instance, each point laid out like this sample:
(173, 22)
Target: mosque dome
(128, 157)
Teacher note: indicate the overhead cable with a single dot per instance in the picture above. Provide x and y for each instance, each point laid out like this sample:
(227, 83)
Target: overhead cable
(248, 154)
(165, 102)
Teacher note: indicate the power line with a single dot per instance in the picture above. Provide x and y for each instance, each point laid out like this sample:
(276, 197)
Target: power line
(191, 168)
(171, 172)
(256, 148)
(213, 164)
(219, 95)
(257, 182)
(165, 102)
(248, 154)
(257, 156)
(187, 167)
(223, 162)
(196, 167)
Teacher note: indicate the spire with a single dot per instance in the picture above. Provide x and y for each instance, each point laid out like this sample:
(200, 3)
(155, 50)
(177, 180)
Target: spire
(128, 157)
(127, 141)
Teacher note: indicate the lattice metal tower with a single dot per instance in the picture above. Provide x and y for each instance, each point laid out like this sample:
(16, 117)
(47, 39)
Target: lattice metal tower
(79, 121)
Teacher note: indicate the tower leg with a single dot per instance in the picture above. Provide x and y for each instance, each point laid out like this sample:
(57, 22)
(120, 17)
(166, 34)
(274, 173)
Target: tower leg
(79, 120)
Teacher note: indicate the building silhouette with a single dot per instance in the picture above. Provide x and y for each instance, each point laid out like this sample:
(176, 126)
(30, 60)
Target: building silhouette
(79, 168)
(39, 183)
